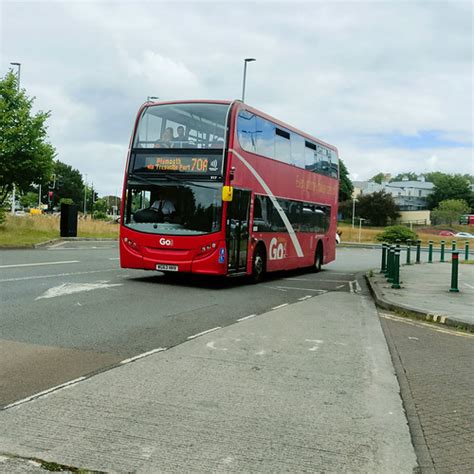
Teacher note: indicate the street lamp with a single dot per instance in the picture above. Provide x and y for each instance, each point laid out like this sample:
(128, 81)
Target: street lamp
(18, 65)
(353, 210)
(360, 226)
(246, 60)
(152, 97)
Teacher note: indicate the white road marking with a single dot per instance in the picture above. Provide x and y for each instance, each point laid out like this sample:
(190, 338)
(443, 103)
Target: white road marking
(316, 280)
(339, 287)
(296, 288)
(469, 286)
(204, 332)
(247, 317)
(40, 277)
(71, 288)
(412, 338)
(280, 306)
(313, 349)
(212, 345)
(317, 341)
(260, 353)
(18, 265)
(114, 258)
(44, 392)
(140, 356)
(305, 297)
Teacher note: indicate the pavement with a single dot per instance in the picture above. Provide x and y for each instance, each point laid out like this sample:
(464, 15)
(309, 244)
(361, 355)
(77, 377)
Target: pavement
(304, 387)
(425, 293)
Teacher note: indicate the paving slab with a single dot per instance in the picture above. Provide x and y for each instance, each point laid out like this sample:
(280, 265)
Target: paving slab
(307, 387)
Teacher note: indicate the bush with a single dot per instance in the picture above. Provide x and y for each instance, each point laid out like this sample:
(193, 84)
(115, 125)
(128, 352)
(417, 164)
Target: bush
(2, 215)
(100, 216)
(393, 233)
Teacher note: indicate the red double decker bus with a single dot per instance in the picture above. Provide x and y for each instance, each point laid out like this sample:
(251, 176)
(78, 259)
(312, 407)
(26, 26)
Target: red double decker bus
(220, 188)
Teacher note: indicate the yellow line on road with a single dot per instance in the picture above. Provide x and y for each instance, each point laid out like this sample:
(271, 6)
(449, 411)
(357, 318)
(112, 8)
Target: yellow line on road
(451, 332)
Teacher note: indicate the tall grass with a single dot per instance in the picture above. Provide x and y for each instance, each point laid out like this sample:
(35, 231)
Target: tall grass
(24, 231)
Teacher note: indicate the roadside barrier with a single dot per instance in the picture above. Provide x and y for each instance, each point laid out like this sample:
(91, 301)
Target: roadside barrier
(418, 251)
(408, 262)
(383, 266)
(396, 270)
(466, 251)
(441, 259)
(430, 251)
(391, 272)
(454, 272)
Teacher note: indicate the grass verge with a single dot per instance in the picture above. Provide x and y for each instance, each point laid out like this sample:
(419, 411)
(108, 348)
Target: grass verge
(26, 231)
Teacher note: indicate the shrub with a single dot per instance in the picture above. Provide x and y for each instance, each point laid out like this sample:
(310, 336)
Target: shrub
(2, 215)
(392, 233)
(100, 215)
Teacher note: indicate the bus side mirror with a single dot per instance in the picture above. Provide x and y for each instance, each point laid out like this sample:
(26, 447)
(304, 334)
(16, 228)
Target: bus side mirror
(227, 193)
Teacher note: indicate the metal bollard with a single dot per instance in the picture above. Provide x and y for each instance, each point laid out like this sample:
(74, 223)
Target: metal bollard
(454, 272)
(418, 251)
(466, 251)
(391, 256)
(430, 251)
(442, 251)
(408, 262)
(453, 245)
(396, 270)
(383, 267)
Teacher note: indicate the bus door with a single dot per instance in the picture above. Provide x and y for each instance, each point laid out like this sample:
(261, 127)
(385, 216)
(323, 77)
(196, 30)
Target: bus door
(238, 230)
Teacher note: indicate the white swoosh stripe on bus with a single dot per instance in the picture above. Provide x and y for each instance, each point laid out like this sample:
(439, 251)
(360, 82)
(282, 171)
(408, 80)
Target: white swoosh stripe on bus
(274, 200)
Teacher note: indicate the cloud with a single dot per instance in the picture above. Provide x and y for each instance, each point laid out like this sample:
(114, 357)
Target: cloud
(356, 74)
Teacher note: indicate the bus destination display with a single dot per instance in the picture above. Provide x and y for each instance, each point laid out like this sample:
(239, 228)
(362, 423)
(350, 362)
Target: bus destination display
(202, 164)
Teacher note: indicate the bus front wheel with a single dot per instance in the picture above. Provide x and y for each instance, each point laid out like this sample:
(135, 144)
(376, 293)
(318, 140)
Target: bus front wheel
(258, 264)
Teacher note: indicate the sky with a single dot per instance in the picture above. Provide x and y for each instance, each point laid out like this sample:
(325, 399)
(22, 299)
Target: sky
(389, 83)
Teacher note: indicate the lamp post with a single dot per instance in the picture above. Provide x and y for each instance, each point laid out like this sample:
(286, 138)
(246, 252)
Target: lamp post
(353, 211)
(18, 65)
(152, 97)
(360, 227)
(246, 60)
(85, 197)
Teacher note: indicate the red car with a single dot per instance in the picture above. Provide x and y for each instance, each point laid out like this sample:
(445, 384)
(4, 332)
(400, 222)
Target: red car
(446, 233)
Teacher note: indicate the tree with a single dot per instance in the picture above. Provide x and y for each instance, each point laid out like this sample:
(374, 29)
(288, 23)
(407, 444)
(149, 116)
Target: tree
(345, 185)
(29, 199)
(448, 186)
(25, 156)
(379, 178)
(67, 183)
(449, 211)
(377, 207)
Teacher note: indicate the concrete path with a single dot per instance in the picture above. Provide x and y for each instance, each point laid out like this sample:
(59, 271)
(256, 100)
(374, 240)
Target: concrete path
(425, 289)
(306, 387)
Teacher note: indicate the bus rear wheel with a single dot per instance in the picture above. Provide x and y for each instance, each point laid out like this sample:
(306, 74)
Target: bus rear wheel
(318, 259)
(258, 264)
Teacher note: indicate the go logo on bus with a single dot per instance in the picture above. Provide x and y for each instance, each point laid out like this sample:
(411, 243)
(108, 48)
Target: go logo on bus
(164, 241)
(277, 250)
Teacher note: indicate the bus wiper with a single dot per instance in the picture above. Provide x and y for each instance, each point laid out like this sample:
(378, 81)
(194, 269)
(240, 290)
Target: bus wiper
(170, 178)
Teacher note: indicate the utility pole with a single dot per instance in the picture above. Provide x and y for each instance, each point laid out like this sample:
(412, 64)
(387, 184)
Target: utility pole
(18, 65)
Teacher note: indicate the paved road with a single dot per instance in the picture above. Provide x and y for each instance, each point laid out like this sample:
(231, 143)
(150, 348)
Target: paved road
(69, 310)
(434, 368)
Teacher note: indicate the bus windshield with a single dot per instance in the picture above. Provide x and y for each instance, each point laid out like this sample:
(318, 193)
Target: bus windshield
(174, 209)
(178, 126)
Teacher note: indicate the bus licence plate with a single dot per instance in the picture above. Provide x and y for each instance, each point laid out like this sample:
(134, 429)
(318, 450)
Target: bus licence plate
(166, 268)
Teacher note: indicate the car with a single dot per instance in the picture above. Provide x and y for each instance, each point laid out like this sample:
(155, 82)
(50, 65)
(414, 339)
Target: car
(446, 233)
(20, 213)
(464, 235)
(338, 239)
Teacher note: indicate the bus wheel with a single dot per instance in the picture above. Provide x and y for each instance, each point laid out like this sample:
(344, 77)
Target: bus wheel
(318, 259)
(258, 264)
